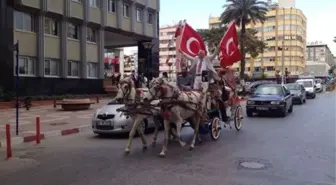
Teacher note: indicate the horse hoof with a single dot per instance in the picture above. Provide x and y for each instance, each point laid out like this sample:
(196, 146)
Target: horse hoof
(126, 152)
(191, 148)
(144, 148)
(162, 155)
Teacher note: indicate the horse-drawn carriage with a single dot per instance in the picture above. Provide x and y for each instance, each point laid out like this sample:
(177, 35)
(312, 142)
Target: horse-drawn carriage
(201, 109)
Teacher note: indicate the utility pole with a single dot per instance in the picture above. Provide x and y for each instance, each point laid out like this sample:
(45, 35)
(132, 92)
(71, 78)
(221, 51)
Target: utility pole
(283, 63)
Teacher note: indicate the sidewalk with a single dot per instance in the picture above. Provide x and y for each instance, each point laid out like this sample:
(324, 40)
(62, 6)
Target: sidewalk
(54, 122)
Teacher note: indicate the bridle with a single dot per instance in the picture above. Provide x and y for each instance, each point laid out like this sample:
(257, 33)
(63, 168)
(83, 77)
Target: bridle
(162, 87)
(128, 86)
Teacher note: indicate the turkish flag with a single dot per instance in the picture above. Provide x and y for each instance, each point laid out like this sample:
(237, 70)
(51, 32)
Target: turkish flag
(191, 42)
(229, 47)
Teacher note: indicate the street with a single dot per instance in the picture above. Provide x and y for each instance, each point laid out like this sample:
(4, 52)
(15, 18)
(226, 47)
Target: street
(296, 150)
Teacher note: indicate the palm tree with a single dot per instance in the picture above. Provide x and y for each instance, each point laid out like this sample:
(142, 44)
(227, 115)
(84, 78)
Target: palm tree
(243, 12)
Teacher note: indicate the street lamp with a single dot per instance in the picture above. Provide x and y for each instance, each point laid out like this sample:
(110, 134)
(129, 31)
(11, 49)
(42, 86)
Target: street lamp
(148, 46)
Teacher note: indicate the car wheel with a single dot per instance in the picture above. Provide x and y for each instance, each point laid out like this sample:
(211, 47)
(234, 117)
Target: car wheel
(304, 100)
(290, 110)
(249, 114)
(283, 112)
(314, 96)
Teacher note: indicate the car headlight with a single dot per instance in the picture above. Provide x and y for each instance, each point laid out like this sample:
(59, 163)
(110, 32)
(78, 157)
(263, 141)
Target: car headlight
(250, 102)
(275, 102)
(95, 113)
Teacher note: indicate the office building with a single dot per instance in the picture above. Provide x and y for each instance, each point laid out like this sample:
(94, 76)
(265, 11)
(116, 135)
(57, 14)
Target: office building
(284, 32)
(319, 52)
(167, 50)
(62, 42)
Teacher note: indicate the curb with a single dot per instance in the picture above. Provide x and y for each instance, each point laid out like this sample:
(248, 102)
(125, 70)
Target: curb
(46, 135)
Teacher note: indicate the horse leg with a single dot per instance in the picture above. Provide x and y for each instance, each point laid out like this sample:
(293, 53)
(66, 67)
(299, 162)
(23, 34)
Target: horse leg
(143, 139)
(196, 129)
(155, 135)
(137, 121)
(178, 132)
(166, 138)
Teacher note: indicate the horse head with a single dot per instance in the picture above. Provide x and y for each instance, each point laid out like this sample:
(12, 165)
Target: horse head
(159, 88)
(126, 89)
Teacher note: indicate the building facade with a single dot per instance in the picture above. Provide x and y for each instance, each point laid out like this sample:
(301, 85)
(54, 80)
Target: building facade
(284, 32)
(167, 50)
(319, 52)
(62, 42)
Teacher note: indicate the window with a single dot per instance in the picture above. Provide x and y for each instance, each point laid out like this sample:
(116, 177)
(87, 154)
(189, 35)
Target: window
(287, 37)
(150, 18)
(91, 35)
(24, 21)
(51, 26)
(92, 69)
(270, 68)
(95, 3)
(126, 12)
(78, 1)
(139, 15)
(73, 31)
(51, 67)
(73, 68)
(26, 66)
(111, 6)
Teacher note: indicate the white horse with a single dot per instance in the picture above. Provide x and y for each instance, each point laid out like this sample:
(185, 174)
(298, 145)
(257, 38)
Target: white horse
(191, 106)
(127, 94)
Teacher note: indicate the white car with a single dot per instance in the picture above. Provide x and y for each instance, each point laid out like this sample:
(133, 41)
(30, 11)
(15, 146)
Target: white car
(319, 86)
(309, 85)
(107, 120)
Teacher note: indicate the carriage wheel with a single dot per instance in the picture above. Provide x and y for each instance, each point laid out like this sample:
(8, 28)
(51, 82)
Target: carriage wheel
(238, 117)
(215, 128)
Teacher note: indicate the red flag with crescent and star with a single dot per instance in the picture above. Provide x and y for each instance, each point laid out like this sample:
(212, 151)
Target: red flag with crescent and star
(191, 42)
(229, 47)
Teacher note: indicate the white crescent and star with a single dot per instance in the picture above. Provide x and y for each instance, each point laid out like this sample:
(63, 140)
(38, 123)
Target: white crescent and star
(230, 41)
(189, 41)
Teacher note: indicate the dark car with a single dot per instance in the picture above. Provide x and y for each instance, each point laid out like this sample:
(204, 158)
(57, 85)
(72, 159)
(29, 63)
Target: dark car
(298, 92)
(270, 98)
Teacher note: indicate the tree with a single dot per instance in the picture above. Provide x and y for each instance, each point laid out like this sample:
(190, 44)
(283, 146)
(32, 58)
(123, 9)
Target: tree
(243, 12)
(334, 39)
(253, 45)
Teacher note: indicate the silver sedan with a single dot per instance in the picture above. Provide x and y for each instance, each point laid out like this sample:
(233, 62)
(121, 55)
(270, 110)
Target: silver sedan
(107, 120)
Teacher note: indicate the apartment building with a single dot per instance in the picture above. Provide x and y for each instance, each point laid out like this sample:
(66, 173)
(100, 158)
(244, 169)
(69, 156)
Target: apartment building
(166, 49)
(284, 32)
(319, 52)
(62, 42)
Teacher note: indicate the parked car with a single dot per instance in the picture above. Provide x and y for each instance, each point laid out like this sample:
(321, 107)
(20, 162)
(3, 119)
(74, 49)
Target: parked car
(107, 120)
(298, 92)
(319, 85)
(270, 98)
(310, 87)
(253, 85)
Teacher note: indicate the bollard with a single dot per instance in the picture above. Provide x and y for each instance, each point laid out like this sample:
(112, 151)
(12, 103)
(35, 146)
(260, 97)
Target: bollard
(8, 142)
(38, 131)
(54, 103)
(97, 99)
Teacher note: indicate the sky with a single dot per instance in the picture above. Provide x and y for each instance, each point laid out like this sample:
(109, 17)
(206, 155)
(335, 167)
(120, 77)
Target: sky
(321, 16)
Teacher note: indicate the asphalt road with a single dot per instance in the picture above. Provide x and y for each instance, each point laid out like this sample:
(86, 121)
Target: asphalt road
(296, 150)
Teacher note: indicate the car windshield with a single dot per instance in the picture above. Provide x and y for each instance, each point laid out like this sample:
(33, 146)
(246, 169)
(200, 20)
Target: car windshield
(306, 83)
(268, 90)
(293, 86)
